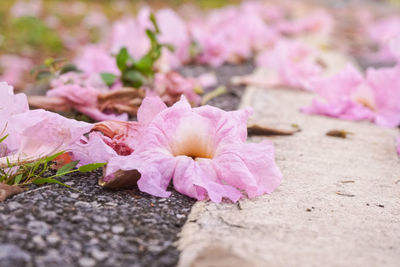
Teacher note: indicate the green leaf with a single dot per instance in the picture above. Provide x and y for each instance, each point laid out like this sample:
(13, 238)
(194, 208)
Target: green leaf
(122, 58)
(170, 47)
(90, 167)
(153, 38)
(108, 78)
(144, 65)
(132, 78)
(154, 22)
(44, 75)
(67, 167)
(3, 138)
(69, 68)
(40, 181)
(18, 178)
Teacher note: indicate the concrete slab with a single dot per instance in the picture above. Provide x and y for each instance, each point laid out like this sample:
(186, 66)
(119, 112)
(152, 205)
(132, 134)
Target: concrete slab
(338, 205)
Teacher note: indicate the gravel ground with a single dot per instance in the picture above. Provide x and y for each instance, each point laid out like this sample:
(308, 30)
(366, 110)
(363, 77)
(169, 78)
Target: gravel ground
(55, 226)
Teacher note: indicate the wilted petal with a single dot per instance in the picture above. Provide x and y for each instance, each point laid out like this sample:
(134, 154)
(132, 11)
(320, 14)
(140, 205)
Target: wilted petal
(199, 180)
(92, 149)
(385, 84)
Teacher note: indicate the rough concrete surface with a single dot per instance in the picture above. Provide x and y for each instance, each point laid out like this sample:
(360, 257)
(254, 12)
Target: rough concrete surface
(338, 204)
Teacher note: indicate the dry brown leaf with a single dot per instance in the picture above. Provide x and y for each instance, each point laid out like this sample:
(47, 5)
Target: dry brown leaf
(49, 103)
(124, 100)
(7, 191)
(122, 179)
(255, 129)
(338, 133)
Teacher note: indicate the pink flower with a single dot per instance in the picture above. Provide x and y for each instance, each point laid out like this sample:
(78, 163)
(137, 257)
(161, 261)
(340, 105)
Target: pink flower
(34, 133)
(318, 22)
(230, 34)
(131, 33)
(203, 150)
(174, 31)
(10, 105)
(27, 8)
(340, 91)
(294, 64)
(81, 92)
(382, 32)
(96, 59)
(350, 96)
(14, 68)
(172, 85)
(385, 86)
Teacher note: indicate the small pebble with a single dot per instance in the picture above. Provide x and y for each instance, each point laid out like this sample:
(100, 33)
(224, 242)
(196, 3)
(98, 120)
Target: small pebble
(38, 227)
(13, 205)
(98, 254)
(82, 204)
(53, 238)
(117, 229)
(86, 262)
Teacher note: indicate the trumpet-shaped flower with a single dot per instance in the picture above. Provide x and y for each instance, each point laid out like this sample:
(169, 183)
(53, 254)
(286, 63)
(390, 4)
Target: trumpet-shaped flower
(202, 150)
(81, 92)
(344, 96)
(293, 63)
(349, 95)
(34, 133)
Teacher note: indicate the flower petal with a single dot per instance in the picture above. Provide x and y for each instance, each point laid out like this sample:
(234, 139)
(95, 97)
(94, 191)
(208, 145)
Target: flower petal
(250, 167)
(198, 179)
(149, 108)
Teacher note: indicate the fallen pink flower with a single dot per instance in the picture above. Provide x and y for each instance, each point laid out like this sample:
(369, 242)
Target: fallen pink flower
(382, 32)
(203, 150)
(385, 87)
(33, 134)
(170, 86)
(318, 22)
(218, 39)
(131, 33)
(350, 96)
(109, 139)
(78, 91)
(13, 68)
(294, 64)
(26, 8)
(96, 59)
(339, 92)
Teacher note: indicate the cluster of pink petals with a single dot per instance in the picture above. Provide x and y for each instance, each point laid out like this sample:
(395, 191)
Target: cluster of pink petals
(131, 33)
(33, 133)
(349, 95)
(294, 62)
(319, 21)
(107, 140)
(81, 92)
(27, 8)
(202, 150)
(382, 32)
(96, 59)
(231, 34)
(13, 68)
(171, 85)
